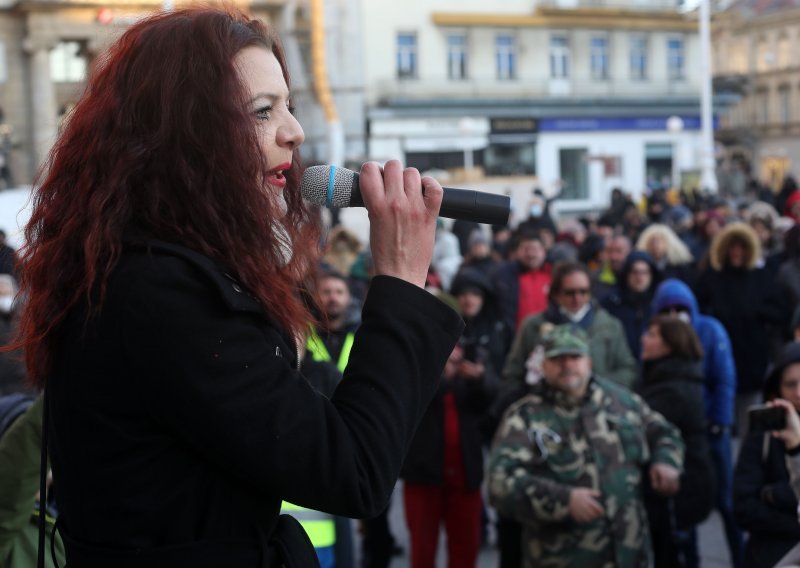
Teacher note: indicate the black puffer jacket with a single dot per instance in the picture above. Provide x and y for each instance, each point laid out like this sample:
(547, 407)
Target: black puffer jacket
(674, 388)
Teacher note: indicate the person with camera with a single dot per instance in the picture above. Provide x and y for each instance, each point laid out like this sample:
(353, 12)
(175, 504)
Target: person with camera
(443, 470)
(790, 435)
(764, 501)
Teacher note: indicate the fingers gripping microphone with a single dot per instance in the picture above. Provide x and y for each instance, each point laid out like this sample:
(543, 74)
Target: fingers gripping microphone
(331, 186)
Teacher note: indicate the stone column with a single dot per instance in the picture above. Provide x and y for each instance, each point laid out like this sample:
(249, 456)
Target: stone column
(44, 114)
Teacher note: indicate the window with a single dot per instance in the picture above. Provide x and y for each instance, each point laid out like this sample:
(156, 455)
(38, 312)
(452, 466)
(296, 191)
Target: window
(762, 107)
(457, 56)
(599, 58)
(784, 52)
(784, 104)
(574, 173)
(676, 59)
(658, 165)
(406, 55)
(506, 57)
(764, 56)
(639, 58)
(559, 57)
(67, 65)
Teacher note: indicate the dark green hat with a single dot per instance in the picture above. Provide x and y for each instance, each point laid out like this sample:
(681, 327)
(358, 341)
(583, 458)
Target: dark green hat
(565, 340)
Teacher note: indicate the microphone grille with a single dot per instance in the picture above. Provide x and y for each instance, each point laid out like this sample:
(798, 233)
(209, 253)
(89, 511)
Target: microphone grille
(314, 186)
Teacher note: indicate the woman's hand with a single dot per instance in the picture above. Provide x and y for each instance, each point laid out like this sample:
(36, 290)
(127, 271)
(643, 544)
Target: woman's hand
(791, 433)
(402, 213)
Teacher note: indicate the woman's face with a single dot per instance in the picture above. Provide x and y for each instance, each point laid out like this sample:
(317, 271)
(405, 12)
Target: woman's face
(790, 384)
(470, 303)
(653, 345)
(761, 230)
(657, 247)
(640, 277)
(269, 102)
(736, 255)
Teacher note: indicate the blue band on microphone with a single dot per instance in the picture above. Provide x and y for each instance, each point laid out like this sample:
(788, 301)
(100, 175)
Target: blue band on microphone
(331, 178)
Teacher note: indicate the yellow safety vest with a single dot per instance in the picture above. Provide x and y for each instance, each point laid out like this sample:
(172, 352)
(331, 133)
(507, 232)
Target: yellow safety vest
(319, 527)
(319, 352)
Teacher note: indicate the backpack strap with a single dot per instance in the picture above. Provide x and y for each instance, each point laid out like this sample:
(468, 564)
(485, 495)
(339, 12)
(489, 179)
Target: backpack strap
(43, 479)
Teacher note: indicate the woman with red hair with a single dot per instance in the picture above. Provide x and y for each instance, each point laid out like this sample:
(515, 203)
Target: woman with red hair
(165, 266)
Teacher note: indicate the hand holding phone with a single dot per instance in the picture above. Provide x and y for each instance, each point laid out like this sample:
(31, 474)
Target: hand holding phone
(790, 434)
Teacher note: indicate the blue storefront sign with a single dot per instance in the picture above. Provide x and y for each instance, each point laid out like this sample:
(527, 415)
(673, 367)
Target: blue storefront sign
(583, 124)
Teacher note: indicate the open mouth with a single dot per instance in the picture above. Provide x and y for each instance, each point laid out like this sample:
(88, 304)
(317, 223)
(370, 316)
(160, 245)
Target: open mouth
(276, 177)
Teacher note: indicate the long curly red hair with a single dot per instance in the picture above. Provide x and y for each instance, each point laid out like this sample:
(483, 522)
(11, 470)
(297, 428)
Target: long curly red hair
(162, 144)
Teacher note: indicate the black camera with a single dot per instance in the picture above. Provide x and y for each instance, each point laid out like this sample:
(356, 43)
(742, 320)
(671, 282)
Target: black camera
(766, 418)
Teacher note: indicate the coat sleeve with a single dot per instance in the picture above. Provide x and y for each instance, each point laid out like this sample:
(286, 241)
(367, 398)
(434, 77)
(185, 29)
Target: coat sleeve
(793, 465)
(751, 511)
(722, 379)
(20, 449)
(514, 370)
(620, 361)
(225, 390)
(515, 490)
(664, 439)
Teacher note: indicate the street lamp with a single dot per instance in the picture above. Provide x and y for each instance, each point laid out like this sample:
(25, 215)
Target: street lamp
(708, 177)
(675, 127)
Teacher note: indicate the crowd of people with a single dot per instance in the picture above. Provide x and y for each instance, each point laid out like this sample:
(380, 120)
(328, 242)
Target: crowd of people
(591, 408)
(207, 395)
(668, 318)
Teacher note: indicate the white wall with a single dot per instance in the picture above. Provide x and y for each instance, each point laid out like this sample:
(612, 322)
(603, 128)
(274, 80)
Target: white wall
(629, 145)
(15, 211)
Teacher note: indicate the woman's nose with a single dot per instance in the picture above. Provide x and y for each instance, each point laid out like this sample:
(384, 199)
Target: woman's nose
(290, 133)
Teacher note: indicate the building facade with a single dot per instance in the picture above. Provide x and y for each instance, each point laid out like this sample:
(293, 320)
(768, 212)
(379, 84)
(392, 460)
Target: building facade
(583, 96)
(753, 58)
(47, 48)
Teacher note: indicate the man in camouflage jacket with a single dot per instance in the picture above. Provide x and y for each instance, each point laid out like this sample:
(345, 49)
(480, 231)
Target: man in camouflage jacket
(567, 462)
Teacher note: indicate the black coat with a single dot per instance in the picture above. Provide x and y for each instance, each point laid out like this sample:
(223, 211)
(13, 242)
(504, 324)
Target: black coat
(424, 463)
(179, 420)
(743, 301)
(674, 388)
(763, 500)
(12, 367)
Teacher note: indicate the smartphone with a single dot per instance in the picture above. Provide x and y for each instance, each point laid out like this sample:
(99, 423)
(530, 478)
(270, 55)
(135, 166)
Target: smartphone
(471, 352)
(766, 418)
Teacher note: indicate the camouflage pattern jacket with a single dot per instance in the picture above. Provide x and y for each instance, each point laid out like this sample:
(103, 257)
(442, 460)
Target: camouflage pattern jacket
(548, 443)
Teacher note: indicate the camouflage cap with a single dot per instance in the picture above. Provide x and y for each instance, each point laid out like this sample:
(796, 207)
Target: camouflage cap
(565, 339)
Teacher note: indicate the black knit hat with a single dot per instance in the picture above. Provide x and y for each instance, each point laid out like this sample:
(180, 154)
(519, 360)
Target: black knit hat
(788, 355)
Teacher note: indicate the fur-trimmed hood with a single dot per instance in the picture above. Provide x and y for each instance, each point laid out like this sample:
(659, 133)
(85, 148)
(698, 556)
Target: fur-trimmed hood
(723, 240)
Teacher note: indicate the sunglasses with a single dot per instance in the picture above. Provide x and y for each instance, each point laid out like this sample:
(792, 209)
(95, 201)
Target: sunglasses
(573, 292)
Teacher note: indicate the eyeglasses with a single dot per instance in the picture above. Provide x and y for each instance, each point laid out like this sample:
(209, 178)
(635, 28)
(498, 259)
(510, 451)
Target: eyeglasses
(575, 292)
(674, 310)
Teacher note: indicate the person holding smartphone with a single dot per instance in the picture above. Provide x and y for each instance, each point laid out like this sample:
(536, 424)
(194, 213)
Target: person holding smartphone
(765, 503)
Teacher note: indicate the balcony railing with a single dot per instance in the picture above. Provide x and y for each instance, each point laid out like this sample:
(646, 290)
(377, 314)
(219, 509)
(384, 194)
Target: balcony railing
(526, 88)
(640, 5)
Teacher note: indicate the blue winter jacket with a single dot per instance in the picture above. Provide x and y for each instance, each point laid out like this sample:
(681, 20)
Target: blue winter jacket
(718, 366)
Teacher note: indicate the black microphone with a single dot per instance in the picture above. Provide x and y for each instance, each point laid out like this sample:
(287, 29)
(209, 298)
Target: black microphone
(331, 186)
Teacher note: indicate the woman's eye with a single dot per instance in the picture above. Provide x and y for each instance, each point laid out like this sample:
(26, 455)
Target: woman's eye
(263, 113)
